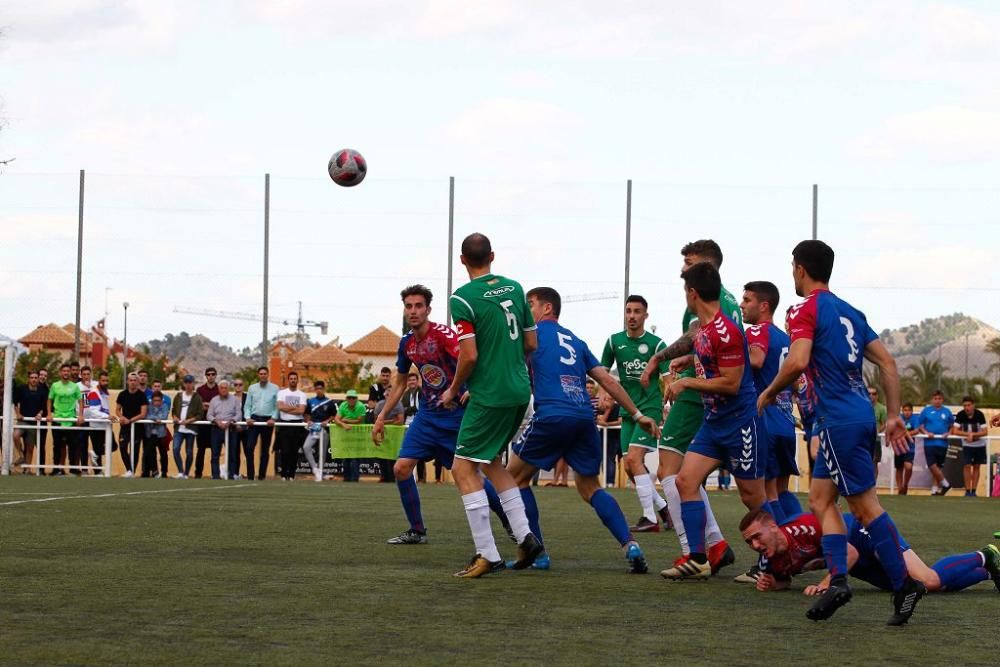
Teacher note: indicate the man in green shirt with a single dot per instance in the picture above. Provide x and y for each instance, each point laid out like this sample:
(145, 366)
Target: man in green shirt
(632, 351)
(495, 323)
(687, 411)
(65, 407)
(350, 412)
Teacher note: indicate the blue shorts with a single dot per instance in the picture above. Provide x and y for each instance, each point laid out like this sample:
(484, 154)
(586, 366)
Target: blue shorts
(780, 452)
(735, 443)
(935, 456)
(546, 440)
(845, 457)
(868, 568)
(432, 435)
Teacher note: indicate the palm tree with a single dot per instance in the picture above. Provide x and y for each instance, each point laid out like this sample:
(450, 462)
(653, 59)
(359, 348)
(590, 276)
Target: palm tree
(993, 347)
(924, 378)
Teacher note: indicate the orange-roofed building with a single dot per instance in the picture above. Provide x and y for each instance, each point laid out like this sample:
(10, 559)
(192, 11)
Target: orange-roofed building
(52, 338)
(378, 347)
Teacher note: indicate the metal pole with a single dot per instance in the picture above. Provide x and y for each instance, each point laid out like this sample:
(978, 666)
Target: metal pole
(125, 348)
(628, 233)
(967, 364)
(79, 270)
(451, 239)
(267, 248)
(7, 435)
(815, 211)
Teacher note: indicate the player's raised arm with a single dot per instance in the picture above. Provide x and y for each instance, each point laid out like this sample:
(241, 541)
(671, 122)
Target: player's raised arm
(895, 430)
(792, 367)
(680, 347)
(617, 392)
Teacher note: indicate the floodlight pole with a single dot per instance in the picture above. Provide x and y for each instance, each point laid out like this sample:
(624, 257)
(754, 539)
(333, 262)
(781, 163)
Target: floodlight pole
(267, 248)
(815, 211)
(79, 270)
(628, 234)
(7, 430)
(451, 240)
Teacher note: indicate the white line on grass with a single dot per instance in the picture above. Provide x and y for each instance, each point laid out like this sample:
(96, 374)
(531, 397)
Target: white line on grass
(127, 493)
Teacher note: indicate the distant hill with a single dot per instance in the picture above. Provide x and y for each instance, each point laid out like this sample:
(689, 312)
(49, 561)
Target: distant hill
(198, 352)
(944, 338)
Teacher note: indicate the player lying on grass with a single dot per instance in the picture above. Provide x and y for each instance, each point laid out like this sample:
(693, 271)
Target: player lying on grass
(796, 546)
(563, 423)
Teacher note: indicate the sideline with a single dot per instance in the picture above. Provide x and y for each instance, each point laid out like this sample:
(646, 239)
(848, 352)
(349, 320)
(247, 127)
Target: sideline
(124, 493)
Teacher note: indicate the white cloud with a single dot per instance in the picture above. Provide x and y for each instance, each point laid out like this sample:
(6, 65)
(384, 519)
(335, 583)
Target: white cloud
(940, 134)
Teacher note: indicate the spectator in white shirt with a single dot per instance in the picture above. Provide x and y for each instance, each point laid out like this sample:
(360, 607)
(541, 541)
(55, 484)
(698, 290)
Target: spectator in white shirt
(291, 410)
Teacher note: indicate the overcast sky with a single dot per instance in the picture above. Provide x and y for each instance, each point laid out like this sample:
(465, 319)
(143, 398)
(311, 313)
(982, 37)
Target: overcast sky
(723, 113)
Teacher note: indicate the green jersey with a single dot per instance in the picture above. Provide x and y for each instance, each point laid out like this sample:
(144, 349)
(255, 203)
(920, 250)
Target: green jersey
(731, 309)
(493, 309)
(65, 397)
(632, 355)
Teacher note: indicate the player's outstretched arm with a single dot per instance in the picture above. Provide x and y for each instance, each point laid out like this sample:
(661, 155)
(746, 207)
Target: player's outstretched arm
(680, 347)
(795, 362)
(728, 382)
(396, 393)
(895, 429)
(603, 378)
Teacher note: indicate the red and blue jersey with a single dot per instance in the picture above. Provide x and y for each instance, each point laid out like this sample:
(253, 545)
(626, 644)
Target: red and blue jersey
(805, 548)
(436, 358)
(774, 343)
(559, 370)
(721, 344)
(839, 333)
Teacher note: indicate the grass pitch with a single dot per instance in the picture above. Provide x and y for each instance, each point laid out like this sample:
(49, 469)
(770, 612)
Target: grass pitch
(277, 573)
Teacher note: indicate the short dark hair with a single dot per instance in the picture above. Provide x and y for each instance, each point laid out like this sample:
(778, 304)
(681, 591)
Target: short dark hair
(143, 371)
(907, 405)
(65, 366)
(706, 248)
(635, 298)
(156, 394)
(704, 279)
(937, 392)
(968, 399)
(102, 374)
(417, 290)
(385, 369)
(74, 363)
(549, 296)
(259, 369)
(755, 515)
(412, 374)
(210, 369)
(816, 258)
(476, 250)
(319, 384)
(291, 373)
(85, 368)
(764, 291)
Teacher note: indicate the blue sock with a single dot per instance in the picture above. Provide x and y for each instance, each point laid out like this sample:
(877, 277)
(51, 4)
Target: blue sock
(410, 498)
(776, 510)
(693, 516)
(494, 501)
(611, 515)
(885, 540)
(835, 552)
(790, 503)
(531, 510)
(961, 571)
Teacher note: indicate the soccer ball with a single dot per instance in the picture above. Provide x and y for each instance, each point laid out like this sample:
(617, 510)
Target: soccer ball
(347, 167)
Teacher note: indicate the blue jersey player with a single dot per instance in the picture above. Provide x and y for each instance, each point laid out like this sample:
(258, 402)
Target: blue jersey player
(433, 349)
(830, 340)
(562, 425)
(728, 433)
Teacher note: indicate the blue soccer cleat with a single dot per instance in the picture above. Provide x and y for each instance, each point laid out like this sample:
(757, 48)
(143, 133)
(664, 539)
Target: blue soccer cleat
(635, 559)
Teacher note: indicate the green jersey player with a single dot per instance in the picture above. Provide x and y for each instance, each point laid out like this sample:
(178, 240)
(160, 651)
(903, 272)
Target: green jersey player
(687, 411)
(495, 332)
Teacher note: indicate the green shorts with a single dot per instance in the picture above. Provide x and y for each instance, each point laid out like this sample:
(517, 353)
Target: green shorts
(683, 422)
(633, 436)
(486, 431)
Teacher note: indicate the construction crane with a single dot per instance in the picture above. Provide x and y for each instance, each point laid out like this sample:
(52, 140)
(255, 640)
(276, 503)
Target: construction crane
(300, 324)
(592, 296)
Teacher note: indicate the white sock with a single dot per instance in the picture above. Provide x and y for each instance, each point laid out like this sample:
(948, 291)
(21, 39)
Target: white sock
(713, 534)
(644, 487)
(669, 484)
(658, 501)
(513, 507)
(477, 511)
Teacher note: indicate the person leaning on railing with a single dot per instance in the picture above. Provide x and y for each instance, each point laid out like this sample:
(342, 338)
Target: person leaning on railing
(260, 411)
(223, 411)
(187, 408)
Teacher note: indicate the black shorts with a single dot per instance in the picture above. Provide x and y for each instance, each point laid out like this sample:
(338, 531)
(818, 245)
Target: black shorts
(935, 456)
(900, 459)
(974, 456)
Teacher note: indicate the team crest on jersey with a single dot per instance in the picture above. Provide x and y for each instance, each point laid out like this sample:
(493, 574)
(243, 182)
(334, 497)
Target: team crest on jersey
(643, 348)
(434, 376)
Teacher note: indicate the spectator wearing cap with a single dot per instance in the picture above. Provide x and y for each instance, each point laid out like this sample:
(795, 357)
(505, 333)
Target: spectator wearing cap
(187, 408)
(260, 411)
(223, 411)
(206, 392)
(350, 412)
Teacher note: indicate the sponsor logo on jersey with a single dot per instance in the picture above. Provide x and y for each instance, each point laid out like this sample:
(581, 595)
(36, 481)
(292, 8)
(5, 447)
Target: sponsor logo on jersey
(434, 376)
(634, 366)
(500, 291)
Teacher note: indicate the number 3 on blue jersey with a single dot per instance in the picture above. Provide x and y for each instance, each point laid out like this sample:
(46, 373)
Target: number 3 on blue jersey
(852, 356)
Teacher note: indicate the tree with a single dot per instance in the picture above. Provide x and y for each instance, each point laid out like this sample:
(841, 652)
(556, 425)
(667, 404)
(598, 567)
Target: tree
(37, 360)
(993, 347)
(345, 376)
(922, 379)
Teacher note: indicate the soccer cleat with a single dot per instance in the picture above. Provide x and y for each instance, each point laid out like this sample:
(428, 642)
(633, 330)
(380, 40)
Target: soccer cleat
(479, 566)
(644, 525)
(527, 551)
(750, 576)
(668, 524)
(720, 555)
(904, 601)
(991, 561)
(689, 569)
(543, 562)
(409, 536)
(944, 489)
(836, 596)
(637, 562)
(680, 560)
